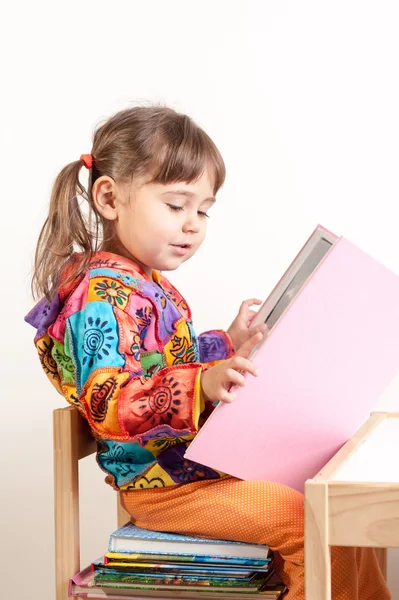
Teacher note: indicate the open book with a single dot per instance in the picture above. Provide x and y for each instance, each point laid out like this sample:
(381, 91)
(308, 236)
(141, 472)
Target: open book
(332, 349)
(293, 280)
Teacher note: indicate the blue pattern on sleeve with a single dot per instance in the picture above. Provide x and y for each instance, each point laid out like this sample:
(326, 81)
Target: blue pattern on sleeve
(124, 460)
(95, 339)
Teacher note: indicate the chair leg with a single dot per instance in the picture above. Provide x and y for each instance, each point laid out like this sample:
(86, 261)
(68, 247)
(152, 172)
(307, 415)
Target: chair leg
(66, 500)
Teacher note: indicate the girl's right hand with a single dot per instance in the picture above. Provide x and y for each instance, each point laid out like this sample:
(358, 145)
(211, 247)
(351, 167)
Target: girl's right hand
(217, 380)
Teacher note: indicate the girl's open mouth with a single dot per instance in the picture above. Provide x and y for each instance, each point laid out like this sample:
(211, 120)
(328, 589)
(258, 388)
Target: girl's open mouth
(181, 249)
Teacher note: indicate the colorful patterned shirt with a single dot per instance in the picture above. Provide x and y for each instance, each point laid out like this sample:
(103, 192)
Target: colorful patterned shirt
(120, 346)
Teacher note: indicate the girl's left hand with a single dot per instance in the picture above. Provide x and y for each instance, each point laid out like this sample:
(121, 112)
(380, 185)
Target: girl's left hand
(240, 330)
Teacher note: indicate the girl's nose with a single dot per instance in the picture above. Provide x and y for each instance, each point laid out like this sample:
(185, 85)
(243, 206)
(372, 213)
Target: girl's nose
(191, 223)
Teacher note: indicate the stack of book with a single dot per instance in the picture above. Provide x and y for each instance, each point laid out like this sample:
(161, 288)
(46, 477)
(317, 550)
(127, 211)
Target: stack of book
(142, 563)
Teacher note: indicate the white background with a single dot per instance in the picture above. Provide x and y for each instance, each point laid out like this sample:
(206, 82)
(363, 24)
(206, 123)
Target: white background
(301, 98)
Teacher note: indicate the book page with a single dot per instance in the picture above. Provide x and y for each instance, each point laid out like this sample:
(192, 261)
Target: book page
(292, 282)
(310, 264)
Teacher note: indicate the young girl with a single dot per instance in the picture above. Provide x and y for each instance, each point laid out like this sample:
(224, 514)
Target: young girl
(117, 340)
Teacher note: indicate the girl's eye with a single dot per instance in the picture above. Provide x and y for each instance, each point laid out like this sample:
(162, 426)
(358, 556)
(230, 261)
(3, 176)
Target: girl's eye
(173, 207)
(177, 208)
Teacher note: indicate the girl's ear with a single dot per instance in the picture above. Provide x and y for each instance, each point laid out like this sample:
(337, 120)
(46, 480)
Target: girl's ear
(104, 192)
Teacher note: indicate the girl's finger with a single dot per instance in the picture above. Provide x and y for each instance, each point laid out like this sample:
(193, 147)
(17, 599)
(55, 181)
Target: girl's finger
(250, 318)
(226, 396)
(246, 366)
(261, 328)
(247, 303)
(245, 349)
(234, 377)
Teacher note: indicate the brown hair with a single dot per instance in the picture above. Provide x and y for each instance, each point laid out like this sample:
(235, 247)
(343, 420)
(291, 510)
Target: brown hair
(139, 141)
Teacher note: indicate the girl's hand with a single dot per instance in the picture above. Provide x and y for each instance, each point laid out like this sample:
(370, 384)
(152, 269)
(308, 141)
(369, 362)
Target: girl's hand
(217, 380)
(240, 330)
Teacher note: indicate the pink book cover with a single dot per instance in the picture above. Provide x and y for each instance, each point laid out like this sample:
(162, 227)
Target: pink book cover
(81, 579)
(322, 369)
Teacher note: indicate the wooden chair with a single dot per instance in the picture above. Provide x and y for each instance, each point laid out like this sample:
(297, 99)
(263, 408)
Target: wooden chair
(73, 441)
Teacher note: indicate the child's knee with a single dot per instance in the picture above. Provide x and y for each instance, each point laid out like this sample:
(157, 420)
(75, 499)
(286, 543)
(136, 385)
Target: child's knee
(290, 499)
(289, 510)
(284, 506)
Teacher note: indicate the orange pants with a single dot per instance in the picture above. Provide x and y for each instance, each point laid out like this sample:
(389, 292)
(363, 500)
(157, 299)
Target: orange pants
(262, 513)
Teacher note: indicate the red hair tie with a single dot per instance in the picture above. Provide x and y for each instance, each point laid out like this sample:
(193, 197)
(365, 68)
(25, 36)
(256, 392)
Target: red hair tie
(88, 160)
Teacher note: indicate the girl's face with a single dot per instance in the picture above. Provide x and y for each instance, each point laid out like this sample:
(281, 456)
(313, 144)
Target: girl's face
(161, 226)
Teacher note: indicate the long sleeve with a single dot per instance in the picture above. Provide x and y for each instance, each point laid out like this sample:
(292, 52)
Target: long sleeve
(215, 345)
(124, 390)
(123, 350)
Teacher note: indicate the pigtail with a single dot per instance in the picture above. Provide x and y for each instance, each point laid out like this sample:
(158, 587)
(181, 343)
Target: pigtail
(65, 230)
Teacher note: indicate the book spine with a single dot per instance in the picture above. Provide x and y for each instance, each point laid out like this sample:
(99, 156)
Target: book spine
(190, 558)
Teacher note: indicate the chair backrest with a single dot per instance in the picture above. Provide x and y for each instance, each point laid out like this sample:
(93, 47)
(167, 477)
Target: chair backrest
(72, 441)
